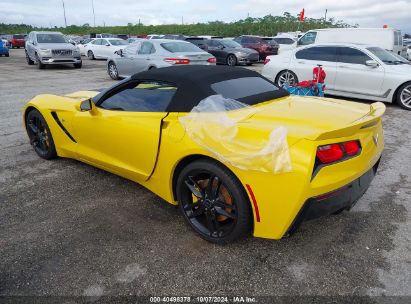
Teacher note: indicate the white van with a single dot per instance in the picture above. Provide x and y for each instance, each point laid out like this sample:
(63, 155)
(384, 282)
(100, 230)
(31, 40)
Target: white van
(386, 38)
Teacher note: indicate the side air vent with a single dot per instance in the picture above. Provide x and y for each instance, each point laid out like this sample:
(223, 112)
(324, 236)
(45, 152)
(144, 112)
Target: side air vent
(56, 118)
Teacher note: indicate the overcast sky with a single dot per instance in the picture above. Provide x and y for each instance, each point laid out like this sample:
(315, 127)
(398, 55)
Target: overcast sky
(367, 13)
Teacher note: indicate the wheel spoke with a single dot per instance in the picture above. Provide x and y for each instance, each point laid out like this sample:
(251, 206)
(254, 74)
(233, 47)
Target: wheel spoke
(212, 224)
(34, 141)
(217, 188)
(209, 188)
(193, 186)
(224, 205)
(197, 212)
(42, 144)
(32, 127)
(222, 211)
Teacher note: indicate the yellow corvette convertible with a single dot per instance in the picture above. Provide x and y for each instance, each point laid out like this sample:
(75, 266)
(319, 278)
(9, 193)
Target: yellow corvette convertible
(235, 152)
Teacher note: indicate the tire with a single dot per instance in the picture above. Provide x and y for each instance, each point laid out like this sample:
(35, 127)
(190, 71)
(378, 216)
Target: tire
(403, 97)
(40, 135)
(7, 55)
(112, 70)
(224, 213)
(39, 64)
(286, 77)
(152, 68)
(90, 55)
(231, 60)
(78, 65)
(29, 61)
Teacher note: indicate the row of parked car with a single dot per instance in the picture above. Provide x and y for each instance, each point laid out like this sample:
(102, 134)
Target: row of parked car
(363, 71)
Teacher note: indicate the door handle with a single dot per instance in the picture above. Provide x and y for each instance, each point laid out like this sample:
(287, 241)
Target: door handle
(343, 66)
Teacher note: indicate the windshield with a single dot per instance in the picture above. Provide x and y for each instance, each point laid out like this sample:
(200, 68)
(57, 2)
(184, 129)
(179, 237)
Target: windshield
(180, 47)
(385, 56)
(51, 38)
(284, 40)
(230, 43)
(118, 42)
(18, 36)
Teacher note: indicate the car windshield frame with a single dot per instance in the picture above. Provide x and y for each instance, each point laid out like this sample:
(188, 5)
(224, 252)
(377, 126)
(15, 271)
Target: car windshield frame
(170, 47)
(385, 56)
(41, 38)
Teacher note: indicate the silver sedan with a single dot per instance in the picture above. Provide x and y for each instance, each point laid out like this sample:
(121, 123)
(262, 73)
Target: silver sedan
(145, 55)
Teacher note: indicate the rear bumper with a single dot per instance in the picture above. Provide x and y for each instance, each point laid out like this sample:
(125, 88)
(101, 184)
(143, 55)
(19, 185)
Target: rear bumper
(343, 198)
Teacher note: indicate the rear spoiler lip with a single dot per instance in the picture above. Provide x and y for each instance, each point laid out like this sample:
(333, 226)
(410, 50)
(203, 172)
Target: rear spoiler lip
(377, 110)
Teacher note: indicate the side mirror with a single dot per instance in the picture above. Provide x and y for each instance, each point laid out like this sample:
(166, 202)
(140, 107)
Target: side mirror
(107, 44)
(86, 105)
(372, 63)
(119, 52)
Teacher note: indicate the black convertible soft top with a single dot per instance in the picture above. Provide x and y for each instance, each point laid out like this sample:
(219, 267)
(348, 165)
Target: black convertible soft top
(194, 83)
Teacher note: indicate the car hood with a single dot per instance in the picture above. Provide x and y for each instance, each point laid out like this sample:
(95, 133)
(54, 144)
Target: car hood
(57, 46)
(400, 68)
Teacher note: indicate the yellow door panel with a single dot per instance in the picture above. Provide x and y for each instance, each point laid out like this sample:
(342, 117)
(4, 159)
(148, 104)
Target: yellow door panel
(123, 142)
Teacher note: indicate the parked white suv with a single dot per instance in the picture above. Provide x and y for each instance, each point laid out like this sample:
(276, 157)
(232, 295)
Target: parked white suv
(355, 71)
(46, 48)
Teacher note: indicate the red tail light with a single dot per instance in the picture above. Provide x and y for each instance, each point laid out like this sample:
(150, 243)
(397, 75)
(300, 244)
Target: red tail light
(330, 153)
(351, 147)
(211, 60)
(177, 60)
(334, 152)
(266, 60)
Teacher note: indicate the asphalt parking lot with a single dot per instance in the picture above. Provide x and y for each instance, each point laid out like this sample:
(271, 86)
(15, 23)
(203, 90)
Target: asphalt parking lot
(69, 229)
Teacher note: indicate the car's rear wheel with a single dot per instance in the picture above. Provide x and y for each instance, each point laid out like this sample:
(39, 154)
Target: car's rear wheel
(78, 65)
(231, 60)
(90, 55)
(29, 61)
(40, 135)
(286, 78)
(403, 97)
(213, 202)
(112, 70)
(7, 55)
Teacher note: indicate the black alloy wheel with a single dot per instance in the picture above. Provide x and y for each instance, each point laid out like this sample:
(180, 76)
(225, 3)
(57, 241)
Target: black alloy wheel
(213, 202)
(40, 135)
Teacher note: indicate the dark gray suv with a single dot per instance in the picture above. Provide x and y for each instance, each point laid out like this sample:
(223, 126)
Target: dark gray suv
(44, 48)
